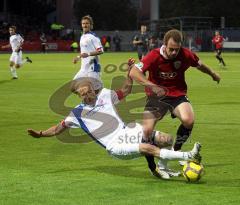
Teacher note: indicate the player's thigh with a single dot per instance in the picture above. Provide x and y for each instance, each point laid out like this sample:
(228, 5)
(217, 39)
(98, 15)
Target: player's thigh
(18, 59)
(12, 59)
(184, 112)
(126, 143)
(149, 121)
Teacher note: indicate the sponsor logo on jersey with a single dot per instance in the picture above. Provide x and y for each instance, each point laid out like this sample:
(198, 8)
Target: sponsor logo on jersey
(167, 75)
(177, 64)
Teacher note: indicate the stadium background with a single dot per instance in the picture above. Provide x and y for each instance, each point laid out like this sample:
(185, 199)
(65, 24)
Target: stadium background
(197, 20)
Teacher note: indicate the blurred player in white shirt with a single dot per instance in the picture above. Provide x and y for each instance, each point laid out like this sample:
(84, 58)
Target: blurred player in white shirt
(15, 42)
(90, 49)
(97, 116)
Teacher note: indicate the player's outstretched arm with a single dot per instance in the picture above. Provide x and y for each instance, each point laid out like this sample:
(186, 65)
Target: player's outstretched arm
(127, 84)
(205, 69)
(6, 46)
(52, 131)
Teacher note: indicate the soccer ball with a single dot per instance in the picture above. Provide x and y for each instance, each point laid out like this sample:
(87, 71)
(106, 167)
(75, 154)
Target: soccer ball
(192, 171)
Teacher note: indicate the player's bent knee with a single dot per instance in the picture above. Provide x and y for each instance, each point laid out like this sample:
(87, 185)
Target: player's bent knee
(188, 122)
(17, 66)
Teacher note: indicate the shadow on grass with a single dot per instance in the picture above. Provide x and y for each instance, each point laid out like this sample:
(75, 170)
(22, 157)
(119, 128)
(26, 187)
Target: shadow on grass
(218, 165)
(5, 81)
(128, 171)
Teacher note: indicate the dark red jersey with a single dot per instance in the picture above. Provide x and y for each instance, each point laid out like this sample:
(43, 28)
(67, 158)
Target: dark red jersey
(168, 73)
(218, 41)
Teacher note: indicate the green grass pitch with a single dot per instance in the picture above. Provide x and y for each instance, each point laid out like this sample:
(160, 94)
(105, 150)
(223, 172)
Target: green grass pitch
(48, 171)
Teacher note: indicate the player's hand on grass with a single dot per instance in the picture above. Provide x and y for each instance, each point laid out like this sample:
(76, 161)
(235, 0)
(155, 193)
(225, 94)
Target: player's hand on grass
(35, 134)
(216, 77)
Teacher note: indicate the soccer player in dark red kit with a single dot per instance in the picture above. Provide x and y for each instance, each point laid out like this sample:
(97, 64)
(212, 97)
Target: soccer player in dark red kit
(218, 45)
(166, 88)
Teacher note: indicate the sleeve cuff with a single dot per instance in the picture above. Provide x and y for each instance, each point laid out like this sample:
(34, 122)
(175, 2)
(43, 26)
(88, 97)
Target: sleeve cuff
(63, 124)
(120, 94)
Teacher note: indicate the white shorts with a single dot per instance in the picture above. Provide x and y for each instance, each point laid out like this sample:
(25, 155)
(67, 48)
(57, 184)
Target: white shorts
(91, 74)
(126, 144)
(16, 57)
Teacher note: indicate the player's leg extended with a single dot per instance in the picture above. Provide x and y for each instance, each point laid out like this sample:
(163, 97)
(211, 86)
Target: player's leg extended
(151, 115)
(12, 65)
(13, 70)
(148, 149)
(18, 60)
(217, 56)
(164, 140)
(184, 112)
(219, 52)
(149, 121)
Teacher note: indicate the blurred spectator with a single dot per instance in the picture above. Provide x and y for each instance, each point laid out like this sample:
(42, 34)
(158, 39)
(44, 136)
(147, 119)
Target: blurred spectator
(74, 47)
(198, 42)
(104, 40)
(117, 41)
(153, 42)
(107, 46)
(141, 41)
(43, 40)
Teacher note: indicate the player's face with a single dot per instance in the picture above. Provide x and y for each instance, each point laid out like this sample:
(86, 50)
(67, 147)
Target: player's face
(87, 94)
(11, 31)
(217, 33)
(86, 26)
(172, 49)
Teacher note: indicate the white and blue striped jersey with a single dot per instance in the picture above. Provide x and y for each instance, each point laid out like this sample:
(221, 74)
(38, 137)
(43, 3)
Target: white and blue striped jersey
(89, 42)
(101, 121)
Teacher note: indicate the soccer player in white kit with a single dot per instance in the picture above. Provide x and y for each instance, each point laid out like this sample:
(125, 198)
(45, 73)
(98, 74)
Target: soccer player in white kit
(90, 49)
(97, 116)
(15, 42)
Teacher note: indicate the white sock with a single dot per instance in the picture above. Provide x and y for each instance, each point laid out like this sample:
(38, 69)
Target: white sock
(162, 163)
(14, 72)
(173, 155)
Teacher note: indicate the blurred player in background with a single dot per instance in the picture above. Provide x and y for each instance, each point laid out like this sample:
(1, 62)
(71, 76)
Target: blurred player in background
(15, 42)
(141, 41)
(43, 40)
(218, 41)
(90, 49)
(166, 88)
(98, 117)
